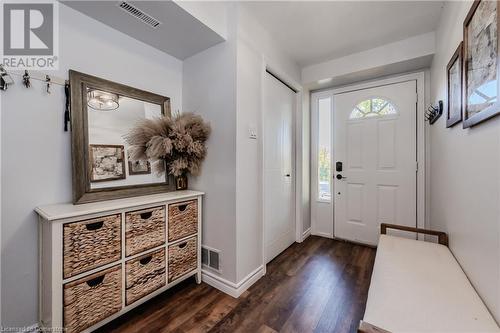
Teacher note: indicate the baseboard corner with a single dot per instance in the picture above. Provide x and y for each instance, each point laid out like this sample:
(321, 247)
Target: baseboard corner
(306, 233)
(232, 289)
(323, 234)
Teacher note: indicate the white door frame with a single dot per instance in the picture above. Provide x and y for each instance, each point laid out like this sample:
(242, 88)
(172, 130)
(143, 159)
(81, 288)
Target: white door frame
(297, 163)
(422, 144)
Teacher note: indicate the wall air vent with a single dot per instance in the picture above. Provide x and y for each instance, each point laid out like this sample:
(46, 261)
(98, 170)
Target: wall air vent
(210, 258)
(139, 14)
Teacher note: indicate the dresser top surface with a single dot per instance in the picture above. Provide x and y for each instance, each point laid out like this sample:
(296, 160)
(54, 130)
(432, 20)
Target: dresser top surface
(68, 210)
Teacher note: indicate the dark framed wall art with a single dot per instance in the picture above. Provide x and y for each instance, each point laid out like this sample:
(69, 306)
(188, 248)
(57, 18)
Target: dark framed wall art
(481, 63)
(454, 88)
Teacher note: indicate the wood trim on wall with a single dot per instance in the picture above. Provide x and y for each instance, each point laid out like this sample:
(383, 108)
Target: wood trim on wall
(442, 236)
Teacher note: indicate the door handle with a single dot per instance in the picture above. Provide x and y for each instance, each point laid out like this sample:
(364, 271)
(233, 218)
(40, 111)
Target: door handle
(287, 175)
(340, 177)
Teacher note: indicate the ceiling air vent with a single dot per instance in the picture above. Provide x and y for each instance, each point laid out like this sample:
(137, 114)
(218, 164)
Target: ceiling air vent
(139, 14)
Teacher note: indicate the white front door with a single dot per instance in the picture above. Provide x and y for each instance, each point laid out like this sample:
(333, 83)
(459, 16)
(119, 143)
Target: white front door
(279, 222)
(375, 141)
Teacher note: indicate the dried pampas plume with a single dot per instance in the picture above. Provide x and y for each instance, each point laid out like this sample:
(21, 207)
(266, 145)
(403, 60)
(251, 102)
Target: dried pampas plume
(177, 142)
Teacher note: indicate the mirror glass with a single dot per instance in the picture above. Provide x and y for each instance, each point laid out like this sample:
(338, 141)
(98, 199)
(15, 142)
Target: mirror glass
(110, 117)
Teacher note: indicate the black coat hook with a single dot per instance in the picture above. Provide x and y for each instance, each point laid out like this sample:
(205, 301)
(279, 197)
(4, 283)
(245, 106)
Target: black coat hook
(5, 79)
(47, 80)
(434, 112)
(3, 84)
(26, 79)
(67, 114)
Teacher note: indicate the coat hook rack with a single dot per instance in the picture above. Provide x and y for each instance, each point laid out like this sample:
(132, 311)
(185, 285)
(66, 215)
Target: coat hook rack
(6, 80)
(434, 112)
(7, 77)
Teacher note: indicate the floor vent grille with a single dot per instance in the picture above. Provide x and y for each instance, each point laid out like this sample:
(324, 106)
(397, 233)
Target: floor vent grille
(139, 14)
(210, 258)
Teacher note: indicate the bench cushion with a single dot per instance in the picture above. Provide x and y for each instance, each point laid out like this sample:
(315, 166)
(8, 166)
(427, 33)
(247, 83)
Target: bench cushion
(418, 286)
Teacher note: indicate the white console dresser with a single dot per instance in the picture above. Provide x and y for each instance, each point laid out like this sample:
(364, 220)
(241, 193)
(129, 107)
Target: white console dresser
(99, 260)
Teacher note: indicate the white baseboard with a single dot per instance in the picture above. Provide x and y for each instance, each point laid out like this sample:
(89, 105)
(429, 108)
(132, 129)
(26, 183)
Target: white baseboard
(306, 233)
(323, 234)
(231, 288)
(32, 328)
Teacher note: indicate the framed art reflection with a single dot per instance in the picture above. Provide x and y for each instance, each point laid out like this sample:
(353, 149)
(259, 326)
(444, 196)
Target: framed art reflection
(106, 163)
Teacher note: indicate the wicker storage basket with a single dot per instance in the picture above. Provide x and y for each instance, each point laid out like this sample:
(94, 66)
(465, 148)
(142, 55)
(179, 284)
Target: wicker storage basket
(182, 258)
(92, 299)
(182, 219)
(144, 230)
(90, 244)
(144, 275)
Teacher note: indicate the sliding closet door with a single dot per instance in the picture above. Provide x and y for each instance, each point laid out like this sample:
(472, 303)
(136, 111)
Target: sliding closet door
(279, 177)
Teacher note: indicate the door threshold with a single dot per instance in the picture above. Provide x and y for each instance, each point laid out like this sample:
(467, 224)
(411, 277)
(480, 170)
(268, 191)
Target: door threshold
(354, 242)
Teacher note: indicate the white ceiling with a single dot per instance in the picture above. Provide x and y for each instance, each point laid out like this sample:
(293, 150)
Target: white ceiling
(180, 34)
(312, 32)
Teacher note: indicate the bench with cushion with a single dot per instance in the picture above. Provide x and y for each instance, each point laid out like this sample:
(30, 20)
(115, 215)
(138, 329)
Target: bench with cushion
(418, 286)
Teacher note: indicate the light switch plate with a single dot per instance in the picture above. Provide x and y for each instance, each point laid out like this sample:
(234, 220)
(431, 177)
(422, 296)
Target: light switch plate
(252, 132)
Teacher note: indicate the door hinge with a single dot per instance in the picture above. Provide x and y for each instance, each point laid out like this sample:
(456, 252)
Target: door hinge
(416, 166)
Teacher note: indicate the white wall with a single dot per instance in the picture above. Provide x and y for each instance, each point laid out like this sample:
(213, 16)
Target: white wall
(252, 33)
(248, 161)
(402, 51)
(464, 176)
(36, 153)
(224, 84)
(255, 50)
(256, 47)
(209, 88)
(211, 13)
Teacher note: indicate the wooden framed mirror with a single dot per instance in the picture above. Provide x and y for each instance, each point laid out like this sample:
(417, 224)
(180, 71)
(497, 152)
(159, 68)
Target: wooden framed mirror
(102, 113)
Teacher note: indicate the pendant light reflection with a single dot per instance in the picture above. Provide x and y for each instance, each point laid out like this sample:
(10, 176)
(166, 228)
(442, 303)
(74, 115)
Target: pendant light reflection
(102, 101)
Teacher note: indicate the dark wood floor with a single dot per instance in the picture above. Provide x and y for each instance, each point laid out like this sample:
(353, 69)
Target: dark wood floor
(320, 285)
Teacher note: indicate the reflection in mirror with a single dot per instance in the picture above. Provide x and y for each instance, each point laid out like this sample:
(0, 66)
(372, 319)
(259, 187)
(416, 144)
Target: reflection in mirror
(102, 101)
(110, 118)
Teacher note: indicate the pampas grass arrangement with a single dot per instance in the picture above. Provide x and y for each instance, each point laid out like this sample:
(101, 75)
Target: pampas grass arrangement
(179, 141)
